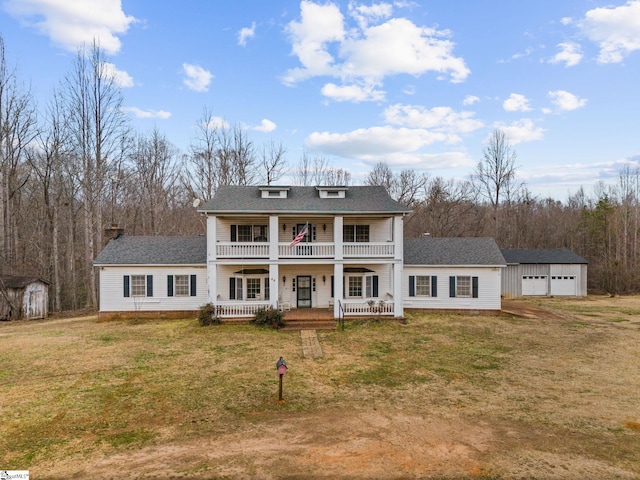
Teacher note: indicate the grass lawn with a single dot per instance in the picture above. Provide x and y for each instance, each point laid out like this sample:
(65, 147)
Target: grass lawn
(442, 396)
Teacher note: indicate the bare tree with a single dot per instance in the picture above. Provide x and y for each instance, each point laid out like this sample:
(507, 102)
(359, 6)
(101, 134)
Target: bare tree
(272, 162)
(407, 188)
(97, 125)
(17, 130)
(494, 179)
(201, 174)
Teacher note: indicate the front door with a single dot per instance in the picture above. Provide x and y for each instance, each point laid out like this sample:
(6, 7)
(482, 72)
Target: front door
(304, 291)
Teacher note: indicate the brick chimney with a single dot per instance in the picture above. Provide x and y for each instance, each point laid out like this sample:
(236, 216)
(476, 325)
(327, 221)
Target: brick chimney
(113, 232)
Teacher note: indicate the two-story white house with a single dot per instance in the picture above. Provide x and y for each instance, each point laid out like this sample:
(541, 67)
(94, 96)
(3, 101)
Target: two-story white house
(304, 247)
(335, 248)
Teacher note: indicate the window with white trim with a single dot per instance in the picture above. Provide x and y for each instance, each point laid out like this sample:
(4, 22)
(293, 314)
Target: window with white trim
(138, 285)
(463, 286)
(181, 286)
(423, 285)
(253, 288)
(355, 233)
(355, 287)
(249, 233)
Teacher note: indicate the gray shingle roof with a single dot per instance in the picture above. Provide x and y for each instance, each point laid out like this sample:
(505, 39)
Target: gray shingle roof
(452, 251)
(154, 251)
(358, 199)
(557, 255)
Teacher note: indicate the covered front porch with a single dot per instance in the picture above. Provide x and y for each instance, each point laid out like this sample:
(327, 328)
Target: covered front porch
(241, 290)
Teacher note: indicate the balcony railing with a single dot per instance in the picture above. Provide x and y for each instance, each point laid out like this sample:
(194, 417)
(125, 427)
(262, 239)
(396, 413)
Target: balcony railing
(242, 250)
(368, 249)
(317, 250)
(305, 250)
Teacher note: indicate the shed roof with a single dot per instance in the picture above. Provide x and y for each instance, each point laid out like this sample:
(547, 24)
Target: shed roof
(248, 199)
(141, 250)
(480, 251)
(539, 256)
(16, 281)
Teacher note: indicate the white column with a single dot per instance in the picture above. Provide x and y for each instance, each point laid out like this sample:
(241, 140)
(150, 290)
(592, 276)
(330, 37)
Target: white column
(274, 294)
(273, 238)
(338, 222)
(338, 273)
(211, 258)
(398, 241)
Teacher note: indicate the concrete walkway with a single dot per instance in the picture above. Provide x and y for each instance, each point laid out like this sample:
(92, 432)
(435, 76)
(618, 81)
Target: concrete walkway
(310, 344)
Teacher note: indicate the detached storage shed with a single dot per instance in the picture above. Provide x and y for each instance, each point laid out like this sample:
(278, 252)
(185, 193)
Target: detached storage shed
(536, 272)
(23, 297)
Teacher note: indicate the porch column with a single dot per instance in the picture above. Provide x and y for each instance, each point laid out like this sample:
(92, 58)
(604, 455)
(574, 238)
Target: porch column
(274, 294)
(338, 222)
(273, 238)
(398, 301)
(338, 273)
(211, 258)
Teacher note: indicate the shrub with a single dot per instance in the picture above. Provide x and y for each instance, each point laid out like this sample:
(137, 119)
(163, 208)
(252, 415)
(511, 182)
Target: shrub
(207, 315)
(269, 316)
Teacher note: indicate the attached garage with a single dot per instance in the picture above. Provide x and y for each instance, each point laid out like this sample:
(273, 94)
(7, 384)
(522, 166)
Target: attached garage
(534, 285)
(538, 272)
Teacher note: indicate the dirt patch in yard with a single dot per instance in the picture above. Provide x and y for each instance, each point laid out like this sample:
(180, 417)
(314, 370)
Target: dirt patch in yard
(546, 390)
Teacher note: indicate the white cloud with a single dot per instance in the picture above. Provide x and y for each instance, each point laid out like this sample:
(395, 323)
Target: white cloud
(318, 25)
(470, 100)
(70, 24)
(196, 78)
(246, 33)
(140, 113)
(352, 93)
(376, 141)
(121, 78)
(566, 101)
(523, 130)
(516, 103)
(217, 122)
(439, 119)
(367, 53)
(365, 14)
(265, 126)
(570, 54)
(615, 29)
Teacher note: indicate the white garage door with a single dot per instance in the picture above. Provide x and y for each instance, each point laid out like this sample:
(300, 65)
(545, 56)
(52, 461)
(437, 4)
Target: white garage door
(534, 285)
(564, 285)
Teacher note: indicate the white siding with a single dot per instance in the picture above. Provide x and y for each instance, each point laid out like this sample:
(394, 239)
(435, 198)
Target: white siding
(112, 297)
(489, 279)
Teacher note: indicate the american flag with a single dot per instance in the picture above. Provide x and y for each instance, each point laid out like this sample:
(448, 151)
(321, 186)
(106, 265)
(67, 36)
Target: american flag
(300, 236)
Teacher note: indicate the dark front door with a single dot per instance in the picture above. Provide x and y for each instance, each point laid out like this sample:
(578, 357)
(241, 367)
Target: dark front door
(304, 292)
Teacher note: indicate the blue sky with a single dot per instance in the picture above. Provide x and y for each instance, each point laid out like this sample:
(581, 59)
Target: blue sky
(418, 84)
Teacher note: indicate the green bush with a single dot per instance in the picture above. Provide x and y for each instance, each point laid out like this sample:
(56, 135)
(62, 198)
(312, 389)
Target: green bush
(207, 315)
(269, 316)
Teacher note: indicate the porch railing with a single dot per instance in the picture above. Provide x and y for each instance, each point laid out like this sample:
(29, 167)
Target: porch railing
(244, 250)
(368, 249)
(373, 307)
(239, 309)
(324, 250)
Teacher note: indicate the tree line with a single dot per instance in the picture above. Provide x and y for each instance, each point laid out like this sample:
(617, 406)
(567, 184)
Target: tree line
(71, 168)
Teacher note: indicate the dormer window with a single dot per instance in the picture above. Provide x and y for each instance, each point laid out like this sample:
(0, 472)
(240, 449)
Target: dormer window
(274, 192)
(332, 192)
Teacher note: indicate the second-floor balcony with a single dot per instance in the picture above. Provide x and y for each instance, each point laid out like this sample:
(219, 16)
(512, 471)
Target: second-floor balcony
(305, 250)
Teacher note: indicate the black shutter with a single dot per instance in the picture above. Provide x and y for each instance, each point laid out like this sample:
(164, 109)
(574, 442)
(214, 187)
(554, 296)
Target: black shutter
(434, 286)
(375, 286)
(169, 285)
(149, 285)
(232, 288)
(332, 279)
(313, 230)
(234, 233)
(474, 287)
(412, 286)
(192, 286)
(452, 286)
(267, 289)
(127, 290)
